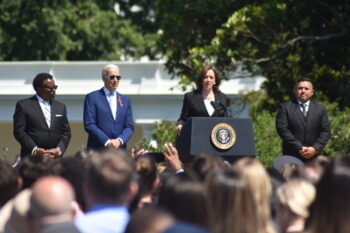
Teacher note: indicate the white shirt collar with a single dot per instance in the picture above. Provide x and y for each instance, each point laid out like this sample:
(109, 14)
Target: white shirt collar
(107, 92)
(306, 103)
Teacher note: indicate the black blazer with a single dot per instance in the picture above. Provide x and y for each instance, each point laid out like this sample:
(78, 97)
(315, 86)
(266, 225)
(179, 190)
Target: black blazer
(31, 130)
(297, 131)
(193, 106)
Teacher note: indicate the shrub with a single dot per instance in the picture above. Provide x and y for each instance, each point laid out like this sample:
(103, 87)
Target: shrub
(162, 132)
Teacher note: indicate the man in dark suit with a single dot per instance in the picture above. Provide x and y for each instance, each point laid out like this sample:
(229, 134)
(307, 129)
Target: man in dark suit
(40, 122)
(302, 123)
(107, 113)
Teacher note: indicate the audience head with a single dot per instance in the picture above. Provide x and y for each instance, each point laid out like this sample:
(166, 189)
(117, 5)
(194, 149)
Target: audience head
(33, 167)
(231, 202)
(260, 185)
(184, 197)
(9, 182)
(203, 73)
(50, 202)
(295, 197)
(19, 207)
(314, 169)
(150, 220)
(73, 170)
(148, 180)
(289, 170)
(205, 163)
(147, 170)
(277, 180)
(86, 154)
(185, 227)
(109, 178)
(329, 212)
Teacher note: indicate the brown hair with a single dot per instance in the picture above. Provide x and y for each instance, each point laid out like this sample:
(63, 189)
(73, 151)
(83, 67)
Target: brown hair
(201, 75)
(109, 175)
(147, 170)
(329, 212)
(232, 205)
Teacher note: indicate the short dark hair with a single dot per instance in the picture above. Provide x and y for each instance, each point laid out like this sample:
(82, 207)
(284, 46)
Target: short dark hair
(304, 80)
(201, 74)
(40, 78)
(8, 182)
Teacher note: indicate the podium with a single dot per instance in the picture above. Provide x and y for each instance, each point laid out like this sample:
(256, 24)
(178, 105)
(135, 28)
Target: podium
(203, 135)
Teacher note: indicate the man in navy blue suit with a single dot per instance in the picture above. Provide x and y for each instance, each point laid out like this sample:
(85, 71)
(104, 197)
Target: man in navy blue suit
(107, 113)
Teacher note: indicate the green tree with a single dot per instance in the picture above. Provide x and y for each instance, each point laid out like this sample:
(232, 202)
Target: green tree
(188, 24)
(162, 132)
(284, 41)
(66, 30)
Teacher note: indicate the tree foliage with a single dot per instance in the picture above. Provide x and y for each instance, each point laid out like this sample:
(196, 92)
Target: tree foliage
(69, 30)
(162, 132)
(281, 40)
(188, 24)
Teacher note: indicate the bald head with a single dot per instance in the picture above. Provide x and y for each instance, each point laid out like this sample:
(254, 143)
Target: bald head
(51, 195)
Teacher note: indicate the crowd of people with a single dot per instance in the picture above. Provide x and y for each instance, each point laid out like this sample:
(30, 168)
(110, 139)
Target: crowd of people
(105, 189)
(113, 191)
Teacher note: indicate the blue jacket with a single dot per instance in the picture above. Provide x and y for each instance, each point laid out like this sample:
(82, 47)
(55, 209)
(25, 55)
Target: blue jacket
(99, 122)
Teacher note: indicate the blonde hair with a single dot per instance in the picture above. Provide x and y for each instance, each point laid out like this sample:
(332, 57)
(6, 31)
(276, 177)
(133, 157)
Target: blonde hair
(260, 185)
(297, 195)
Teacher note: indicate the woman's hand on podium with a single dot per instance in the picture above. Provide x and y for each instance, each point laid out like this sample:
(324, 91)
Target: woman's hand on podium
(178, 129)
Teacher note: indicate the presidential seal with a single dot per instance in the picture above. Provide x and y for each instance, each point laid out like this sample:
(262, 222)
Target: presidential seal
(223, 136)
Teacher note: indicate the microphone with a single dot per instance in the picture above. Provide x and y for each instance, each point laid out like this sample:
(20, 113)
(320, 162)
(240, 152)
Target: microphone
(219, 107)
(215, 105)
(223, 106)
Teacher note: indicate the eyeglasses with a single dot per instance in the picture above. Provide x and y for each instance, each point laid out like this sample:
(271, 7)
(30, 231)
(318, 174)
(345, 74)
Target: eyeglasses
(115, 76)
(51, 88)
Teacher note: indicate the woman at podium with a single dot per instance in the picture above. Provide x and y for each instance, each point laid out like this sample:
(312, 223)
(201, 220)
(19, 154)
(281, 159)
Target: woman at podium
(206, 101)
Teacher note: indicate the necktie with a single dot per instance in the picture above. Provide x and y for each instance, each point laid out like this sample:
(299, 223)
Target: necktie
(47, 112)
(113, 103)
(303, 109)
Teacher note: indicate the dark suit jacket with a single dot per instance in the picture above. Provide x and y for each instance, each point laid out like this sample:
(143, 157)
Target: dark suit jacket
(31, 129)
(297, 131)
(193, 106)
(99, 122)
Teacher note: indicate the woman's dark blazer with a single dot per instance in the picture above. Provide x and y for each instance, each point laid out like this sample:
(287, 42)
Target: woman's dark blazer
(193, 106)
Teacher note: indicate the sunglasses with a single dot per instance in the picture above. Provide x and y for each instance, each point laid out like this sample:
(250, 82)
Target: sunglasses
(51, 88)
(115, 76)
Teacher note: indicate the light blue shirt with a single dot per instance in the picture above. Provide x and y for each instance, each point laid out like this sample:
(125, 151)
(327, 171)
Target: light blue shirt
(104, 219)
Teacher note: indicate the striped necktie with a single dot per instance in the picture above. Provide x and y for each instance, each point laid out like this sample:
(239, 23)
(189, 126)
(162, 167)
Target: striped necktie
(303, 109)
(47, 112)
